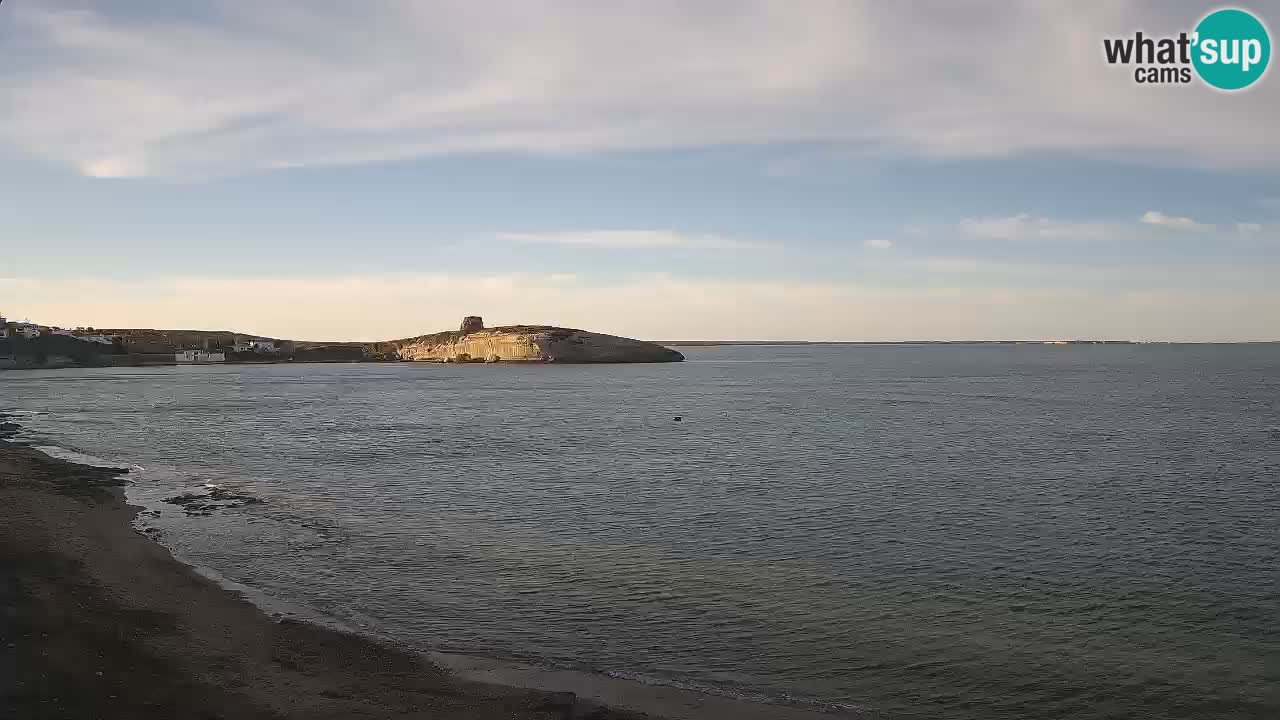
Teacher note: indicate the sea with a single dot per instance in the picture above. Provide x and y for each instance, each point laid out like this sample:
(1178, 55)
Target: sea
(866, 531)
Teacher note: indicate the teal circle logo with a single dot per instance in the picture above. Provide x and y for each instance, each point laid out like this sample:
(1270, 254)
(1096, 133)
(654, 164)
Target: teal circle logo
(1231, 49)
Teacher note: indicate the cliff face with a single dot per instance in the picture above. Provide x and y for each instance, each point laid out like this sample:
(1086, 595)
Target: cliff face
(531, 343)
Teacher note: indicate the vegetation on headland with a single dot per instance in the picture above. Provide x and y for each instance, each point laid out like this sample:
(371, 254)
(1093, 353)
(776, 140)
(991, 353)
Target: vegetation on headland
(143, 347)
(471, 343)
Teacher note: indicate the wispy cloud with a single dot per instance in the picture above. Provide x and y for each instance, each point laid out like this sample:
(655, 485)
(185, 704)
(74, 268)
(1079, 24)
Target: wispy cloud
(233, 87)
(1030, 227)
(877, 244)
(1159, 219)
(952, 265)
(634, 239)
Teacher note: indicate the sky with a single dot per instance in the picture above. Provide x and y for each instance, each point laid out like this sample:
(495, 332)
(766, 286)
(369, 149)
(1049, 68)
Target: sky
(818, 170)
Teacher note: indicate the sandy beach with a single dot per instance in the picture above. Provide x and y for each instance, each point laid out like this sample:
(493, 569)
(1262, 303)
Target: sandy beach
(98, 621)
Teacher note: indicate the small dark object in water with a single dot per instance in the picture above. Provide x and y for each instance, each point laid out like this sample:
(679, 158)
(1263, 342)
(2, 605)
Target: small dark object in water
(678, 418)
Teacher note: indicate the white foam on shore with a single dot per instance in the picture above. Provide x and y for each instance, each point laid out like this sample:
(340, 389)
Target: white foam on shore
(79, 458)
(649, 695)
(656, 696)
(652, 696)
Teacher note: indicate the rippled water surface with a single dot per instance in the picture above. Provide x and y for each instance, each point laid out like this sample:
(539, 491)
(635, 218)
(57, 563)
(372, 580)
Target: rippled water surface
(928, 531)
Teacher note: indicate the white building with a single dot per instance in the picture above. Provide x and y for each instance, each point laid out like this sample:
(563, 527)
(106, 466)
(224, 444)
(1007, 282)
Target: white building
(256, 345)
(199, 357)
(100, 339)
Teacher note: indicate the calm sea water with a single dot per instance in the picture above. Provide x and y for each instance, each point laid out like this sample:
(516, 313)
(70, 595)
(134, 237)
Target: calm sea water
(928, 531)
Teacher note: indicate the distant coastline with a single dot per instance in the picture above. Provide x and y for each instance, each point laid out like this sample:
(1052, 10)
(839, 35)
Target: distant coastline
(54, 347)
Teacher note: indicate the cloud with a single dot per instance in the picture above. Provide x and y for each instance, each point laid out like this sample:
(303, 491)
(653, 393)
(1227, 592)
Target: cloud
(391, 305)
(952, 265)
(878, 244)
(233, 87)
(115, 167)
(1155, 217)
(633, 239)
(1030, 227)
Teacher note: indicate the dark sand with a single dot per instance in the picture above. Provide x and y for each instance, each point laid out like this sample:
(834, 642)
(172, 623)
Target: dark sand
(97, 621)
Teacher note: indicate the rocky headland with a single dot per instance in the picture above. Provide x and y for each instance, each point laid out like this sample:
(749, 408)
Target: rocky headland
(473, 342)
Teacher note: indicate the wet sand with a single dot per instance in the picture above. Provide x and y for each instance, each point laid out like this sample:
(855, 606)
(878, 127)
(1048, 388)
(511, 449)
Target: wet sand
(98, 621)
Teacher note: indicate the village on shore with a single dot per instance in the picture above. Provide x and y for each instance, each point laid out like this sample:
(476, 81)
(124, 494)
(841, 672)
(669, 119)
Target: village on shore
(27, 344)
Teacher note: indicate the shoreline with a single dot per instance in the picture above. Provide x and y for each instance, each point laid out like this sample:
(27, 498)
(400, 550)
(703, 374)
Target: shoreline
(157, 637)
(102, 622)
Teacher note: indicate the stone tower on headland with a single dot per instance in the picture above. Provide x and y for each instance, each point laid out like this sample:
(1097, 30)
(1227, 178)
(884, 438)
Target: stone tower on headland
(473, 342)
